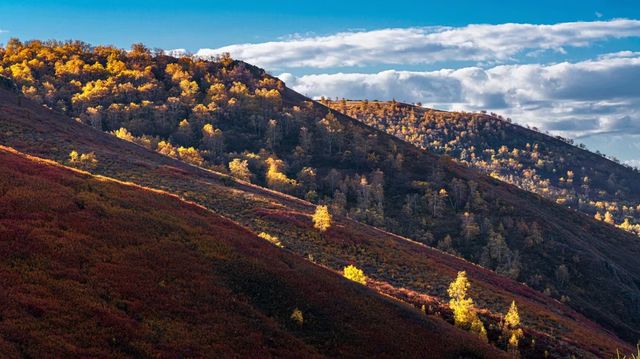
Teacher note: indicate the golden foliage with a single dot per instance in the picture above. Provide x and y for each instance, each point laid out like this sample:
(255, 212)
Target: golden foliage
(123, 134)
(352, 272)
(240, 169)
(464, 312)
(276, 179)
(269, 238)
(322, 218)
(297, 316)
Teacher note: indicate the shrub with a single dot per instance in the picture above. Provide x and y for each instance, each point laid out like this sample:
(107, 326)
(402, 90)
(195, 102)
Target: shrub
(352, 272)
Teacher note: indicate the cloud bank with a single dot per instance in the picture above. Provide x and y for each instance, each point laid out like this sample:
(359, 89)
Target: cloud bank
(423, 45)
(574, 99)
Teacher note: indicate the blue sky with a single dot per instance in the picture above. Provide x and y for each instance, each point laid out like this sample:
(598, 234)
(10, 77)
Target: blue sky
(195, 24)
(570, 67)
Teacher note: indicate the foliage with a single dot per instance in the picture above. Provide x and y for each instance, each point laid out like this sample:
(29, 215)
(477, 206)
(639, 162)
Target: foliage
(322, 218)
(84, 160)
(355, 274)
(271, 239)
(240, 169)
(297, 316)
(464, 311)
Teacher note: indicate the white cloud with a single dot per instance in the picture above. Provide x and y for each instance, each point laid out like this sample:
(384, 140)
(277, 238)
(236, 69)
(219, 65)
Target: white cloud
(633, 163)
(572, 99)
(476, 42)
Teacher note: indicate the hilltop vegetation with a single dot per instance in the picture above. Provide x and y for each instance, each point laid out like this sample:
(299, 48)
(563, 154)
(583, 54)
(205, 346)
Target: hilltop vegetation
(232, 117)
(550, 167)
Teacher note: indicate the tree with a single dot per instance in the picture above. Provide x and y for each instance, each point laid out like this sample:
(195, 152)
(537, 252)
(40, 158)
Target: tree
(511, 328)
(297, 316)
(512, 319)
(333, 129)
(464, 312)
(598, 216)
(322, 218)
(273, 239)
(190, 155)
(462, 307)
(352, 272)
(240, 169)
(84, 161)
(123, 134)
(212, 139)
(276, 179)
(478, 328)
(74, 157)
(608, 218)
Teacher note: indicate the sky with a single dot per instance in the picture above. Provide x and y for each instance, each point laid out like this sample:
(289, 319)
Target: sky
(568, 67)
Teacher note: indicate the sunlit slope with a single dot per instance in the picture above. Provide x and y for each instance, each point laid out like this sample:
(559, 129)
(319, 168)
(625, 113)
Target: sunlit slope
(91, 267)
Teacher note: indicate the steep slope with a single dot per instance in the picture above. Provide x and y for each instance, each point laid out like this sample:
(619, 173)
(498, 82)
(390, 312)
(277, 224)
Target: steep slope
(549, 166)
(383, 256)
(95, 268)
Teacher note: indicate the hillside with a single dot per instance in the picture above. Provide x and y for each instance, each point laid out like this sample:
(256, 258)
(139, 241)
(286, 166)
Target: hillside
(294, 145)
(396, 266)
(548, 166)
(95, 268)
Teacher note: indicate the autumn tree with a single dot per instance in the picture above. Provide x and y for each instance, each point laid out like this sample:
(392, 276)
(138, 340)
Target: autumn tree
(212, 139)
(240, 169)
(123, 134)
(511, 330)
(297, 316)
(333, 130)
(84, 160)
(190, 155)
(464, 312)
(608, 218)
(355, 274)
(322, 218)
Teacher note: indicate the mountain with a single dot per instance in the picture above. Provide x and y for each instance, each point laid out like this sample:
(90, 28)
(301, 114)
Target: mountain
(93, 267)
(551, 167)
(223, 113)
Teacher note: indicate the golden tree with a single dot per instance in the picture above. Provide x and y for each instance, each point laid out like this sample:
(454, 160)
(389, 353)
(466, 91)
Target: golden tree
(273, 239)
(464, 312)
(608, 218)
(276, 179)
(297, 316)
(322, 218)
(511, 328)
(460, 304)
(355, 274)
(123, 134)
(240, 169)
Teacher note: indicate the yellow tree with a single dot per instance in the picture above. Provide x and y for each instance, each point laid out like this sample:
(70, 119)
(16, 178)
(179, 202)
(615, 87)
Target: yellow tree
(355, 274)
(460, 304)
(608, 217)
(322, 218)
(464, 312)
(511, 328)
(123, 134)
(240, 169)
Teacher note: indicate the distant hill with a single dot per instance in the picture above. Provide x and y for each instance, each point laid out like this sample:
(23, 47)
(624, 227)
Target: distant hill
(549, 166)
(236, 113)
